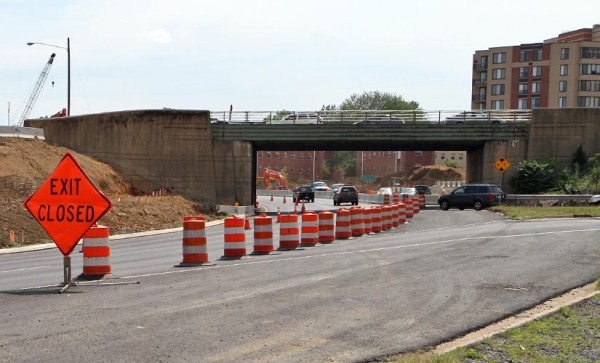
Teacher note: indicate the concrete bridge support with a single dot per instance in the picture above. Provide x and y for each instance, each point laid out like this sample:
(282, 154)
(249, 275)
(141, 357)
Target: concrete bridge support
(170, 149)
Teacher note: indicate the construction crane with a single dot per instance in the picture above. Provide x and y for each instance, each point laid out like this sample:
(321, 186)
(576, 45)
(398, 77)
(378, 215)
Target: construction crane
(36, 90)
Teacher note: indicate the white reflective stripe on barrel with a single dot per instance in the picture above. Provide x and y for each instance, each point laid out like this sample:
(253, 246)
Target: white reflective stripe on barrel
(96, 261)
(194, 249)
(193, 233)
(234, 245)
(95, 242)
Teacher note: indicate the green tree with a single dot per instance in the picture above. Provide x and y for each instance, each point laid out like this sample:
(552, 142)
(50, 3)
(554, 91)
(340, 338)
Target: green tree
(534, 177)
(376, 100)
(451, 164)
(344, 161)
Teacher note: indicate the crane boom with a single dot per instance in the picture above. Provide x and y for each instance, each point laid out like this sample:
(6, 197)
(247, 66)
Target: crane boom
(36, 90)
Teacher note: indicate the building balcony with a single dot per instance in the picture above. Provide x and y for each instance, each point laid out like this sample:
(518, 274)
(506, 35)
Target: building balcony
(479, 82)
(479, 98)
(480, 67)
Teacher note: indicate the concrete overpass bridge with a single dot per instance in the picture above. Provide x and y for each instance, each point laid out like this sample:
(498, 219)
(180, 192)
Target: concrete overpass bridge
(215, 162)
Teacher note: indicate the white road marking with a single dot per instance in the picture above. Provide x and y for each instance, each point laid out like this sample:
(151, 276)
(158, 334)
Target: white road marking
(25, 269)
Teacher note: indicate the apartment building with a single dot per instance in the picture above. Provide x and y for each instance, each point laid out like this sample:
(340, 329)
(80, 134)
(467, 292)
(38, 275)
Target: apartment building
(300, 166)
(558, 72)
(383, 163)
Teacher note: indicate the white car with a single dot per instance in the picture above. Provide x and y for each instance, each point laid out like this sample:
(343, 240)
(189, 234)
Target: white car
(300, 118)
(595, 199)
(385, 190)
(473, 117)
(410, 192)
(320, 186)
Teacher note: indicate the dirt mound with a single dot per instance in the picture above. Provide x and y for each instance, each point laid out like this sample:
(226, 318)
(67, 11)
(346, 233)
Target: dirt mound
(26, 163)
(429, 175)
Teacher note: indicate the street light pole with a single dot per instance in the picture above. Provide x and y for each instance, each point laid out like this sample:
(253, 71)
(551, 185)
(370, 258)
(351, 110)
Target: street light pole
(68, 48)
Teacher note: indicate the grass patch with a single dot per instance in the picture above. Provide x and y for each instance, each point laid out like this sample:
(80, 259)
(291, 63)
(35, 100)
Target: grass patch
(569, 335)
(513, 212)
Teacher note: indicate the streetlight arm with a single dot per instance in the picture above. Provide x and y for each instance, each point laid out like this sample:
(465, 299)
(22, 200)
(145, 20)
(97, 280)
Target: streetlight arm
(49, 45)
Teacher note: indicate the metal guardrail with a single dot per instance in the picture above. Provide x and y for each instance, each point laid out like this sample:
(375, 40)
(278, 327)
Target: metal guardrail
(18, 131)
(353, 116)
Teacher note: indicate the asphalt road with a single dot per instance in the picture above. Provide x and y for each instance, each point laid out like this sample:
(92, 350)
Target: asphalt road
(439, 276)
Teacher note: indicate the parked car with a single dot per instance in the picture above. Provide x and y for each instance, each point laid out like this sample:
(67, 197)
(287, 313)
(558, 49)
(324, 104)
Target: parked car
(476, 196)
(422, 189)
(473, 117)
(336, 186)
(300, 118)
(595, 199)
(303, 193)
(320, 186)
(381, 120)
(346, 194)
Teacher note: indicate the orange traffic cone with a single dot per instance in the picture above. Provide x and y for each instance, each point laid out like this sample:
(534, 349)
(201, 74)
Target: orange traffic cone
(296, 203)
(247, 223)
(271, 197)
(284, 199)
(278, 215)
(303, 208)
(295, 210)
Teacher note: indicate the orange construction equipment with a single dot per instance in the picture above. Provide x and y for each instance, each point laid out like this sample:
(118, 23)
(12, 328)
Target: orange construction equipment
(367, 220)
(269, 175)
(263, 235)
(343, 228)
(96, 252)
(310, 229)
(288, 232)
(235, 238)
(326, 227)
(356, 222)
(195, 251)
(61, 113)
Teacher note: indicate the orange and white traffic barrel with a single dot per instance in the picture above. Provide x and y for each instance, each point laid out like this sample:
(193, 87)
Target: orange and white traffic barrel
(396, 198)
(376, 225)
(422, 203)
(195, 251)
(395, 215)
(386, 217)
(356, 222)
(263, 234)
(309, 235)
(326, 227)
(343, 229)
(235, 238)
(402, 213)
(409, 208)
(367, 220)
(416, 208)
(289, 238)
(386, 199)
(96, 252)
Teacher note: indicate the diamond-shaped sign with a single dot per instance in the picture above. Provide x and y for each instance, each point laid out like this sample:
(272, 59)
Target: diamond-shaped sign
(67, 204)
(501, 165)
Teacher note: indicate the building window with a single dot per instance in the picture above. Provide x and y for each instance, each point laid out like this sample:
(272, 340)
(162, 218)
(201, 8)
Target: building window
(498, 73)
(589, 69)
(523, 89)
(498, 58)
(301, 156)
(564, 53)
(292, 156)
(277, 155)
(523, 72)
(522, 104)
(498, 105)
(536, 71)
(562, 86)
(308, 156)
(299, 170)
(461, 156)
(590, 52)
(562, 102)
(268, 154)
(524, 56)
(260, 154)
(292, 170)
(593, 86)
(498, 89)
(564, 69)
(536, 87)
(285, 155)
(452, 156)
(588, 101)
(442, 156)
(536, 102)
(418, 153)
(537, 55)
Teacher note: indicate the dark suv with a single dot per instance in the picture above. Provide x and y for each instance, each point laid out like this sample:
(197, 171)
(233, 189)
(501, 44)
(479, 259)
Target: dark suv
(422, 189)
(476, 196)
(346, 194)
(303, 193)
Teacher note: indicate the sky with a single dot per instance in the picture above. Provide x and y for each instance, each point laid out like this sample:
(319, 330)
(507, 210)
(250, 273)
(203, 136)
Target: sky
(259, 55)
